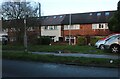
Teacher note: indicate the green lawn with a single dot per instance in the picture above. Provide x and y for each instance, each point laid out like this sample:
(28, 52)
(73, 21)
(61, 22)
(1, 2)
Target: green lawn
(56, 48)
(67, 49)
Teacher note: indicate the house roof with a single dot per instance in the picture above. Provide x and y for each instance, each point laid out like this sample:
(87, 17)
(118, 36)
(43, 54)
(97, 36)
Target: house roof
(90, 17)
(78, 18)
(52, 20)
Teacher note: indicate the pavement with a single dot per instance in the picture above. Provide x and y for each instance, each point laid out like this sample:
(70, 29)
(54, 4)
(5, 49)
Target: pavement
(79, 55)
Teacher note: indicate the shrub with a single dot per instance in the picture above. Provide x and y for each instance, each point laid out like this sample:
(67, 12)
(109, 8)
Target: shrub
(94, 40)
(44, 40)
(81, 40)
(32, 39)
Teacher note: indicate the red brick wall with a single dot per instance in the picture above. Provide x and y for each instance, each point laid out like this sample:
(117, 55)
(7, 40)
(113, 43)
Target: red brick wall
(86, 29)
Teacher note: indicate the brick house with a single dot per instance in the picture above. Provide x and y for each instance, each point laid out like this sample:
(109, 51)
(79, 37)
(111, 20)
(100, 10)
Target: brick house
(86, 24)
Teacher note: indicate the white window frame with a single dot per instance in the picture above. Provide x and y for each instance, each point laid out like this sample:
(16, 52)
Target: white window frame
(55, 27)
(98, 14)
(45, 27)
(30, 29)
(96, 26)
(5, 30)
(72, 27)
(50, 27)
(66, 27)
(107, 13)
(76, 26)
(13, 29)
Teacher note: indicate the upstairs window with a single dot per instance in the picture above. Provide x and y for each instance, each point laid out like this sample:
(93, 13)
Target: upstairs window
(90, 14)
(30, 29)
(107, 13)
(46, 27)
(98, 14)
(55, 27)
(77, 26)
(46, 17)
(54, 17)
(66, 27)
(5, 30)
(13, 29)
(94, 26)
(72, 27)
(61, 16)
(101, 26)
(51, 27)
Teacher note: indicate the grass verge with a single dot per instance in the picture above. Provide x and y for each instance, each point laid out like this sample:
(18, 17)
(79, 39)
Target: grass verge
(102, 62)
(54, 48)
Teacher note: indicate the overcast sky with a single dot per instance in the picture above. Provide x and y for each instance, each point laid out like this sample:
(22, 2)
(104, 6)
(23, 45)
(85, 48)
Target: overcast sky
(56, 7)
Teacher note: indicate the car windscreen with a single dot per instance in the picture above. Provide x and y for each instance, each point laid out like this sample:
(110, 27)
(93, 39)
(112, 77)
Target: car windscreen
(5, 36)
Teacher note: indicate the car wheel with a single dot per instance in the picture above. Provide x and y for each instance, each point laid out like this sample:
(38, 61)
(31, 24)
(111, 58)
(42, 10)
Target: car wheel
(101, 47)
(115, 49)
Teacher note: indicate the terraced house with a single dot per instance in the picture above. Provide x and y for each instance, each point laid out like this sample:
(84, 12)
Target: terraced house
(52, 26)
(68, 27)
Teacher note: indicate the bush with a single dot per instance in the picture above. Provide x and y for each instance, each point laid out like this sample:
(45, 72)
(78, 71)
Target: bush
(32, 39)
(44, 40)
(81, 40)
(94, 40)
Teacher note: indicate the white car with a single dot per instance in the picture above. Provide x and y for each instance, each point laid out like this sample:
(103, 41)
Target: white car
(100, 43)
(3, 39)
(113, 44)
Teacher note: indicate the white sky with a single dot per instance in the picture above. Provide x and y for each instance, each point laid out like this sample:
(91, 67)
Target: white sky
(56, 7)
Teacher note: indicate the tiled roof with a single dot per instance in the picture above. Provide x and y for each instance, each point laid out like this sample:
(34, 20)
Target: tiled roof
(91, 17)
(52, 20)
(78, 18)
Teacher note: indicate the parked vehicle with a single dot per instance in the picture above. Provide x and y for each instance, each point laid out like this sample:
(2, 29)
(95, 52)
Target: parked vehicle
(113, 44)
(100, 43)
(4, 39)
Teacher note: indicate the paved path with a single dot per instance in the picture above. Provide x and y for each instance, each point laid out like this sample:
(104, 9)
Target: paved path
(79, 55)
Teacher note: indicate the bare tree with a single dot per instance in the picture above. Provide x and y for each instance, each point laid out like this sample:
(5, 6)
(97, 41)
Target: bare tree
(15, 12)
